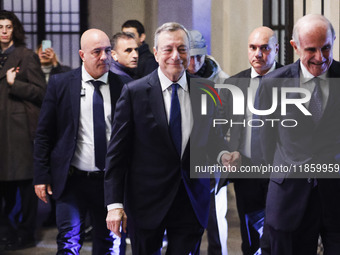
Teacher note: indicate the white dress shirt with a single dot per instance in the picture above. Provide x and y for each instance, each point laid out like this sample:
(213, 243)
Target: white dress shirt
(245, 146)
(84, 158)
(307, 83)
(184, 101)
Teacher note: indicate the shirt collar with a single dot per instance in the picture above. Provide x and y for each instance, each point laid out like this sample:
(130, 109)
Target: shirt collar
(86, 77)
(166, 83)
(307, 76)
(254, 74)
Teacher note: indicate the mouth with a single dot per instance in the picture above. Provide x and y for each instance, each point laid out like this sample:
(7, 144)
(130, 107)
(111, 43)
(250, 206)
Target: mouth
(318, 64)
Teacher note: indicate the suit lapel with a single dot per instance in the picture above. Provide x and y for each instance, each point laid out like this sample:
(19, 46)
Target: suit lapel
(115, 89)
(333, 78)
(75, 89)
(156, 102)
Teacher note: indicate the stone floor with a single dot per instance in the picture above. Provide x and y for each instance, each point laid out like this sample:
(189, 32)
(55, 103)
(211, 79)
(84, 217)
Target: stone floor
(47, 246)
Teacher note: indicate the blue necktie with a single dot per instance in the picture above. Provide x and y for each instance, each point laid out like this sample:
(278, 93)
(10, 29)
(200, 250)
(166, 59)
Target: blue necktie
(99, 127)
(315, 104)
(256, 152)
(175, 124)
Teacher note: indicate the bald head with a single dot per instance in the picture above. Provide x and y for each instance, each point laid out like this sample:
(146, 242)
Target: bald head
(95, 52)
(313, 39)
(311, 23)
(262, 49)
(264, 33)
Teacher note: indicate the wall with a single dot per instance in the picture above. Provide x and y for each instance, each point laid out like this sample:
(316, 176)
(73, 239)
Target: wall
(230, 21)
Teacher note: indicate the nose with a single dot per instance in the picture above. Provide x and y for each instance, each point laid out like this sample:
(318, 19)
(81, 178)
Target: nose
(104, 55)
(175, 54)
(318, 55)
(258, 53)
(135, 54)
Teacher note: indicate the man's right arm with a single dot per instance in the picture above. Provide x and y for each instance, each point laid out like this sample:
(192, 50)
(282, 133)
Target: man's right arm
(45, 134)
(117, 163)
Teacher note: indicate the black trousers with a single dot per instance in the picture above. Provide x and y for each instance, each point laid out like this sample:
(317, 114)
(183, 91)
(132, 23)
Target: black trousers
(250, 197)
(304, 240)
(184, 232)
(84, 194)
(24, 224)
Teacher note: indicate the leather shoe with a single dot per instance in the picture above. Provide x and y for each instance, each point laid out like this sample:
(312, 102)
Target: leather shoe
(20, 243)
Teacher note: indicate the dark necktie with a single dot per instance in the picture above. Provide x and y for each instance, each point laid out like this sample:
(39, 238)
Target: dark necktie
(315, 104)
(175, 124)
(256, 152)
(99, 127)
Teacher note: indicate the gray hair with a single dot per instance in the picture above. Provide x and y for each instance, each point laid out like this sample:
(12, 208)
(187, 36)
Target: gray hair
(304, 19)
(169, 27)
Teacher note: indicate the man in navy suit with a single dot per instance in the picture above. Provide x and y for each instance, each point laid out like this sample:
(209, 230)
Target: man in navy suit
(67, 165)
(158, 193)
(250, 192)
(298, 210)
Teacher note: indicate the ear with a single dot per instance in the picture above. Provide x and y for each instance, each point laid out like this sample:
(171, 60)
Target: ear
(294, 45)
(81, 54)
(142, 37)
(155, 52)
(114, 55)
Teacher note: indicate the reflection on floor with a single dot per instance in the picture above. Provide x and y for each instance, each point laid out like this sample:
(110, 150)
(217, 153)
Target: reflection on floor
(47, 245)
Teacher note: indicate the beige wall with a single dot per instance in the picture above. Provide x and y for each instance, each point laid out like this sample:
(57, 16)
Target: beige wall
(231, 23)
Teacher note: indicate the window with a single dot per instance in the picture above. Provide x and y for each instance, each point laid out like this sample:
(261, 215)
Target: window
(61, 21)
(278, 15)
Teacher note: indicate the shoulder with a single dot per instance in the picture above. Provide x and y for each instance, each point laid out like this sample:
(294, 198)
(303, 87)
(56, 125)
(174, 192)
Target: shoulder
(146, 81)
(334, 69)
(288, 71)
(65, 77)
(243, 74)
(26, 55)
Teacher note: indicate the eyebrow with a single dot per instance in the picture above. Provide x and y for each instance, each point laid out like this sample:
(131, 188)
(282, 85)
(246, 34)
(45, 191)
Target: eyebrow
(261, 45)
(131, 49)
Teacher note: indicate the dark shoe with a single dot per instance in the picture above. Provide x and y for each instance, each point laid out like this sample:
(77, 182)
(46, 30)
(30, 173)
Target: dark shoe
(3, 240)
(50, 222)
(88, 234)
(20, 243)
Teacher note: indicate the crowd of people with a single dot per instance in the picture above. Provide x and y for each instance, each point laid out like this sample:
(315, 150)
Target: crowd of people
(110, 144)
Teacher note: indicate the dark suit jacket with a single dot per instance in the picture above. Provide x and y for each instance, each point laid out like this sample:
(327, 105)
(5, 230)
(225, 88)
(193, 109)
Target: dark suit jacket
(141, 149)
(304, 144)
(57, 131)
(242, 81)
(146, 61)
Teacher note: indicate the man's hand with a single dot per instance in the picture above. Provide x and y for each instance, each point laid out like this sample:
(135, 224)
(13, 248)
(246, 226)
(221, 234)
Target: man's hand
(11, 74)
(114, 218)
(40, 191)
(231, 159)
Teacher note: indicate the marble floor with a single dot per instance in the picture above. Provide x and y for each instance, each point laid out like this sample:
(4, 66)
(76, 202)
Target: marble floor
(46, 244)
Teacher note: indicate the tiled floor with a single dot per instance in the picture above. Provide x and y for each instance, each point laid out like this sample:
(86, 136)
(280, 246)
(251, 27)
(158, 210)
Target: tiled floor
(47, 246)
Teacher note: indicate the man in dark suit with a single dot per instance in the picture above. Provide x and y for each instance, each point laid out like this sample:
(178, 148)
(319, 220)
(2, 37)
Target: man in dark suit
(149, 148)
(146, 60)
(250, 193)
(69, 158)
(300, 209)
